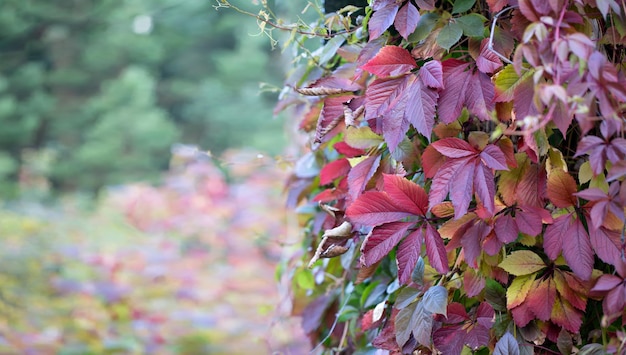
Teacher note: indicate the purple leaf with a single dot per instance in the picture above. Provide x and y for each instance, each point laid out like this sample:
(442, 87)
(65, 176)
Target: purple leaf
(507, 345)
(553, 237)
(381, 240)
(381, 20)
(420, 107)
(443, 178)
(577, 250)
(487, 61)
(455, 85)
(607, 245)
(407, 19)
(493, 157)
(454, 148)
(485, 186)
(461, 189)
(431, 74)
(407, 255)
(360, 175)
(436, 250)
(506, 229)
(479, 96)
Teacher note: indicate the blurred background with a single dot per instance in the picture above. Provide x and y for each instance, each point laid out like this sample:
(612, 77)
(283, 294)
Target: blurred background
(140, 189)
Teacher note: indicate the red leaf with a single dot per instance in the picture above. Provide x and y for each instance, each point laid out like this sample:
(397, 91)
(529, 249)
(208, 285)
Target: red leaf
(607, 245)
(431, 74)
(407, 255)
(541, 299)
(360, 175)
(479, 96)
(449, 339)
(407, 19)
(375, 208)
(561, 189)
(473, 284)
(454, 148)
(577, 250)
(436, 250)
(496, 5)
(348, 151)
(420, 107)
(407, 194)
(487, 61)
(368, 52)
(493, 157)
(334, 170)
(331, 112)
(381, 240)
(381, 20)
(531, 189)
(432, 161)
(455, 85)
(390, 61)
(566, 316)
(522, 315)
(472, 240)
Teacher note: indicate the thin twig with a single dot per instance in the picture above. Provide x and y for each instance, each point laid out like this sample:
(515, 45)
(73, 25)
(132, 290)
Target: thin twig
(493, 30)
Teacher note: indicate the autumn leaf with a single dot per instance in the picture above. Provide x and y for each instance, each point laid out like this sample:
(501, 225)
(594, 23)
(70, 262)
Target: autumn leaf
(406, 19)
(522, 262)
(390, 61)
(561, 189)
(382, 19)
(381, 240)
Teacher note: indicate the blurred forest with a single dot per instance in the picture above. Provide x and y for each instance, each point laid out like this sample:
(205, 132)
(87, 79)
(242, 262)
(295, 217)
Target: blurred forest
(118, 235)
(95, 92)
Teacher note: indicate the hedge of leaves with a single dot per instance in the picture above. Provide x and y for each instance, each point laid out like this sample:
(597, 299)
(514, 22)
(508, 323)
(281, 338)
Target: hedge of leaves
(463, 190)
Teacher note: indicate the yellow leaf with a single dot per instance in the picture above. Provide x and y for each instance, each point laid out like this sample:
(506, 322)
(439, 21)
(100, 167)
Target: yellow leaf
(518, 290)
(522, 262)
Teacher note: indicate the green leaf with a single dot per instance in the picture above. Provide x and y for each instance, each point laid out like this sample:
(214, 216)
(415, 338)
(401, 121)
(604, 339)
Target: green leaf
(472, 25)
(449, 35)
(305, 280)
(522, 262)
(362, 138)
(462, 6)
(406, 296)
(424, 27)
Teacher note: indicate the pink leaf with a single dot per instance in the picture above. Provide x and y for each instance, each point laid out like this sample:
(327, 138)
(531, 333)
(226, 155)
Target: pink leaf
(386, 101)
(390, 61)
(529, 221)
(381, 240)
(334, 170)
(375, 208)
(407, 19)
(461, 188)
(506, 229)
(473, 284)
(553, 237)
(493, 157)
(436, 250)
(577, 250)
(487, 61)
(607, 245)
(479, 96)
(484, 185)
(360, 175)
(454, 148)
(407, 255)
(455, 85)
(472, 240)
(442, 179)
(431, 74)
(407, 194)
(523, 103)
(607, 282)
(420, 107)
(381, 20)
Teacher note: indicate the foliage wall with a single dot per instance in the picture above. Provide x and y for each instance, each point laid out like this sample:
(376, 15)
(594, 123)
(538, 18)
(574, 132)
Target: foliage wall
(94, 93)
(463, 189)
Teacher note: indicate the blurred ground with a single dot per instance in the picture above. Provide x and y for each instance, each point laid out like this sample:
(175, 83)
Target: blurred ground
(184, 267)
